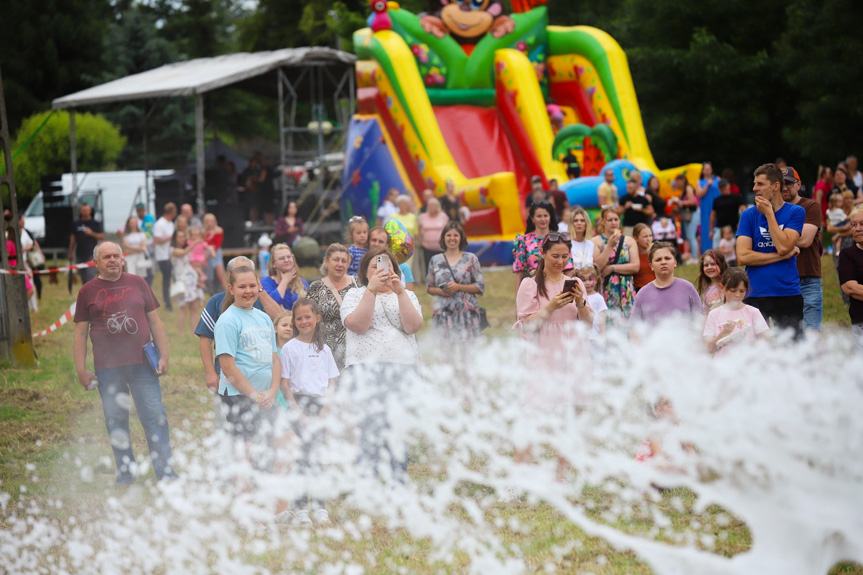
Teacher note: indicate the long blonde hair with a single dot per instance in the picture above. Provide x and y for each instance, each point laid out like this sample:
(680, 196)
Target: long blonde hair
(296, 286)
(588, 231)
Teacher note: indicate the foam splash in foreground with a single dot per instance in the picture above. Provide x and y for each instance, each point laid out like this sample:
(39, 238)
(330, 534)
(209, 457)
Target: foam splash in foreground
(772, 434)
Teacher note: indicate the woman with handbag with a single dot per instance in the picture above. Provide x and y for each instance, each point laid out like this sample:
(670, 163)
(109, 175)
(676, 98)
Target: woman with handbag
(135, 245)
(614, 256)
(455, 279)
(184, 286)
(328, 292)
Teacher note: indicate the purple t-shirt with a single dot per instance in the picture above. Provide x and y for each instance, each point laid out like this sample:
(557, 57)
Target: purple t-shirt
(653, 304)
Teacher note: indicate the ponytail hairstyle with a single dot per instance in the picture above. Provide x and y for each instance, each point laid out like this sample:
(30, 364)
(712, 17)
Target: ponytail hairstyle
(318, 338)
(232, 277)
(353, 223)
(551, 239)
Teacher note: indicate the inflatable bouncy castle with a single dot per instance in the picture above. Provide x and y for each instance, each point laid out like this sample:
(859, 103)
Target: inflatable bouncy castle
(488, 100)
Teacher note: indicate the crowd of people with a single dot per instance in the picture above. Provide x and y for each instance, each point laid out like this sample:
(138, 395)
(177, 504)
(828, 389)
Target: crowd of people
(275, 347)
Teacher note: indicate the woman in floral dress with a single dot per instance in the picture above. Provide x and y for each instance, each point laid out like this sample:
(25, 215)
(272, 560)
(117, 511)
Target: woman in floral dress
(615, 262)
(455, 279)
(526, 248)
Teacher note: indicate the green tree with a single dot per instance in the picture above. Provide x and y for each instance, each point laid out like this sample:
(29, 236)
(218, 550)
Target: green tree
(133, 44)
(46, 49)
(706, 79)
(99, 142)
(824, 82)
(293, 23)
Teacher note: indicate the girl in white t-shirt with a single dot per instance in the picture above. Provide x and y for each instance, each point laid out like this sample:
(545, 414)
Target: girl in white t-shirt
(308, 379)
(733, 321)
(590, 276)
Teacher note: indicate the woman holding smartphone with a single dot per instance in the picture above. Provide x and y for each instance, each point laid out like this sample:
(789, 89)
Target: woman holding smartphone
(549, 306)
(381, 356)
(455, 279)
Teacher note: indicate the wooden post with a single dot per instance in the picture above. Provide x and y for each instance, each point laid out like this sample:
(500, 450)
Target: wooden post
(199, 148)
(16, 340)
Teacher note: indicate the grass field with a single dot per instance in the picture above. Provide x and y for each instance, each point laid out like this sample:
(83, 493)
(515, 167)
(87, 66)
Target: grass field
(49, 426)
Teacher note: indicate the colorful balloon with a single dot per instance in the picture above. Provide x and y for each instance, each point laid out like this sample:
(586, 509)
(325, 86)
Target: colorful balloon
(401, 242)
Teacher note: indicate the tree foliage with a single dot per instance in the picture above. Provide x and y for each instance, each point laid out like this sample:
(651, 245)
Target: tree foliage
(99, 143)
(47, 47)
(133, 45)
(723, 80)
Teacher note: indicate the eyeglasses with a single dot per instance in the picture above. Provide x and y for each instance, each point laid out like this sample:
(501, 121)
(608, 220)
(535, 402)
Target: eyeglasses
(284, 259)
(357, 219)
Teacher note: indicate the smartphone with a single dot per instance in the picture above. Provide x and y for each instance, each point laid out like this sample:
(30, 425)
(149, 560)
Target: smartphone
(382, 262)
(569, 286)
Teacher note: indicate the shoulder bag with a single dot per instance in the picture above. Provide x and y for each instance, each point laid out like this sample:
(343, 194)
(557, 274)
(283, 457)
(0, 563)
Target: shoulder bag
(483, 314)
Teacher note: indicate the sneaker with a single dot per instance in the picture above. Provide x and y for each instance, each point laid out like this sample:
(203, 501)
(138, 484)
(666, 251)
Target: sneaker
(509, 495)
(321, 516)
(302, 519)
(283, 518)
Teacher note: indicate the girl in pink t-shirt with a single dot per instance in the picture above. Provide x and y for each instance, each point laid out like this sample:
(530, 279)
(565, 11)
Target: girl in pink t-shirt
(199, 254)
(733, 321)
(711, 267)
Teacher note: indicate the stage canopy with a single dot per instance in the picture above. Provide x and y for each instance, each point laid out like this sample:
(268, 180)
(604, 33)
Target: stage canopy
(328, 74)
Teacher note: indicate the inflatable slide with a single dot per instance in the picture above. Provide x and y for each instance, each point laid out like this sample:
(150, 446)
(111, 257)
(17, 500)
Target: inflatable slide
(462, 95)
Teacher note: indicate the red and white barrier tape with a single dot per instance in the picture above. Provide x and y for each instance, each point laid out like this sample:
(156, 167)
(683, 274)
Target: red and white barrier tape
(90, 264)
(64, 319)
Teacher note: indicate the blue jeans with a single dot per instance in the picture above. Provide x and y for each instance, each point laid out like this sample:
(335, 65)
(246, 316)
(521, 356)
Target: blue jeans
(813, 302)
(166, 268)
(857, 334)
(691, 233)
(115, 386)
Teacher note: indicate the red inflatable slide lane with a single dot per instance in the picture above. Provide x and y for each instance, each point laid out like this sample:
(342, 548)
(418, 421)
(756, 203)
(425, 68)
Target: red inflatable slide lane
(480, 145)
(479, 142)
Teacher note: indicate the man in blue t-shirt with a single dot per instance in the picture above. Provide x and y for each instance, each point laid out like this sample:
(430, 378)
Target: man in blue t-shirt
(767, 245)
(206, 328)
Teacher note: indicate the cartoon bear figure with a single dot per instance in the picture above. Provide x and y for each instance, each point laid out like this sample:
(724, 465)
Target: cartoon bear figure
(468, 20)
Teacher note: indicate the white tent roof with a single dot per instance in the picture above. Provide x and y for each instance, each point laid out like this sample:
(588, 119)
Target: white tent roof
(201, 75)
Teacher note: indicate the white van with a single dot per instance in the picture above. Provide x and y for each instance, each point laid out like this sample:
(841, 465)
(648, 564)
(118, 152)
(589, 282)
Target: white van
(119, 193)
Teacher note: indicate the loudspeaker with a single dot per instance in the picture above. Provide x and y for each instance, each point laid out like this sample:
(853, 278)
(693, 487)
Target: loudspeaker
(168, 189)
(58, 225)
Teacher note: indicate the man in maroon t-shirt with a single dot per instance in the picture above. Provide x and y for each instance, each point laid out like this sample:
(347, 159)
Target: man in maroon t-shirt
(118, 311)
(809, 258)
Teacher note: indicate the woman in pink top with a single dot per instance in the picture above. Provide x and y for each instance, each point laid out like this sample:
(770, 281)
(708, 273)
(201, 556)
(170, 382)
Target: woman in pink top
(431, 224)
(548, 316)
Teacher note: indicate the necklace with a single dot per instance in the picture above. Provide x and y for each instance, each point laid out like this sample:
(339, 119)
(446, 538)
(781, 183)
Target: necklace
(554, 280)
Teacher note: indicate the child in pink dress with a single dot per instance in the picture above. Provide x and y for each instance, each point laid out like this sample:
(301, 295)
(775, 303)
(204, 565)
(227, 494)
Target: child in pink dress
(199, 254)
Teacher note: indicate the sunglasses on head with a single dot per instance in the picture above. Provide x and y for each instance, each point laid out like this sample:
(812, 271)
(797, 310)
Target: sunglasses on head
(357, 219)
(553, 237)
